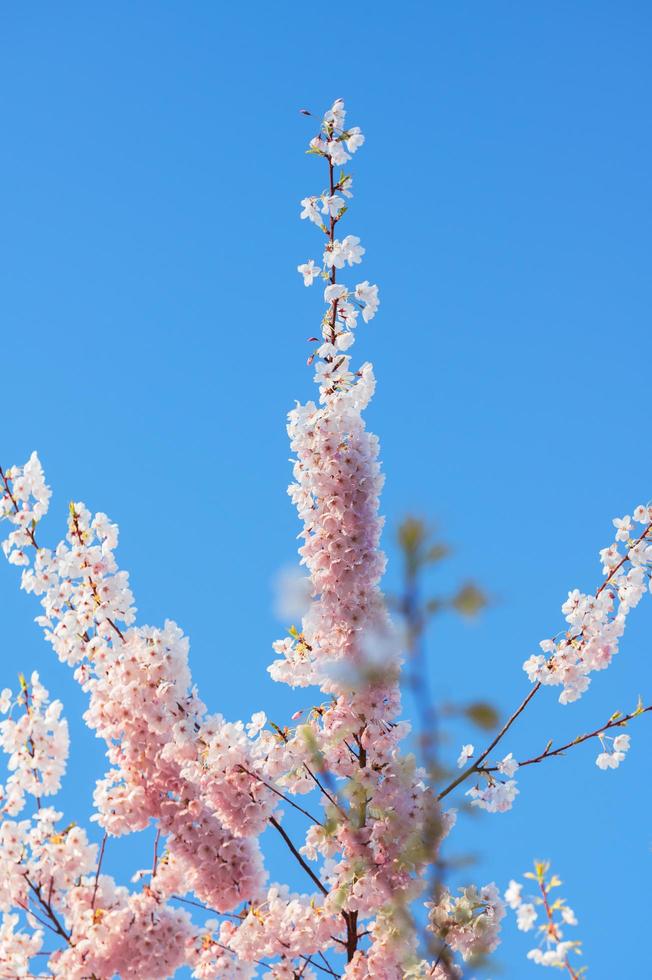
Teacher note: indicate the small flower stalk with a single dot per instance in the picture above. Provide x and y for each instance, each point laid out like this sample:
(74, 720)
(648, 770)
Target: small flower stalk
(549, 916)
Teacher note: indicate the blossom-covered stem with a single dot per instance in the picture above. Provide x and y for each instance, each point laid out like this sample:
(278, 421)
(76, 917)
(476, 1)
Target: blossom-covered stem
(331, 236)
(331, 797)
(306, 867)
(508, 724)
(29, 530)
(625, 558)
(30, 741)
(553, 931)
(549, 753)
(79, 536)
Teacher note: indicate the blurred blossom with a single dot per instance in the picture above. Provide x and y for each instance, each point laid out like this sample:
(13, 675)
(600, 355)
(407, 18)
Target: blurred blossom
(292, 594)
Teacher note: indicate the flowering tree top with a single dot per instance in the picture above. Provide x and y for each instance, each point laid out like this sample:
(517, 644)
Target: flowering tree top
(369, 816)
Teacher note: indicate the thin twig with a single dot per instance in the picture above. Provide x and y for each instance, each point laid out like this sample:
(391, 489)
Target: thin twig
(306, 867)
(99, 866)
(550, 753)
(508, 724)
(282, 795)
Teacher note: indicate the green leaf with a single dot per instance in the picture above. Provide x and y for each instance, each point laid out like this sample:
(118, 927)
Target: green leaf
(482, 714)
(470, 600)
(436, 553)
(411, 534)
(434, 605)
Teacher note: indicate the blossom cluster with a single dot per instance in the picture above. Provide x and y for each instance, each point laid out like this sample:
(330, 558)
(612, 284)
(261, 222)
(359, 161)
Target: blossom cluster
(193, 774)
(597, 622)
(470, 923)
(36, 742)
(614, 750)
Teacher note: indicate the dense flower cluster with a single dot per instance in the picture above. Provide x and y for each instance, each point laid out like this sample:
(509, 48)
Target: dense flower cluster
(112, 932)
(469, 924)
(36, 743)
(597, 622)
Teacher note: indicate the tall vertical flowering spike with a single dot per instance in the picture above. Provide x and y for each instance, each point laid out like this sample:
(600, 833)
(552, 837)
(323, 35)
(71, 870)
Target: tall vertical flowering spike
(383, 821)
(338, 478)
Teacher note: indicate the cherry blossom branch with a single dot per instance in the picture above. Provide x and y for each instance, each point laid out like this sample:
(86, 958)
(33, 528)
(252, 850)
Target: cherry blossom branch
(30, 741)
(552, 930)
(310, 962)
(29, 531)
(316, 781)
(281, 795)
(503, 731)
(78, 533)
(47, 908)
(474, 767)
(25, 907)
(550, 753)
(32, 537)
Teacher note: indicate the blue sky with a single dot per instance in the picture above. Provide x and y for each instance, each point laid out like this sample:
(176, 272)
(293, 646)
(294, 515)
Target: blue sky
(153, 338)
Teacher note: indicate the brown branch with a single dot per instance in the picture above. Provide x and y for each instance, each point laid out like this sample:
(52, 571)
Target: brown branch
(99, 867)
(306, 867)
(550, 753)
(552, 927)
(281, 795)
(325, 969)
(29, 531)
(47, 908)
(508, 724)
(206, 908)
(155, 858)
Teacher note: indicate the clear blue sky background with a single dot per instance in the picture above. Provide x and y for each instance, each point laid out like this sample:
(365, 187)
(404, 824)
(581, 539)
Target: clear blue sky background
(153, 337)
